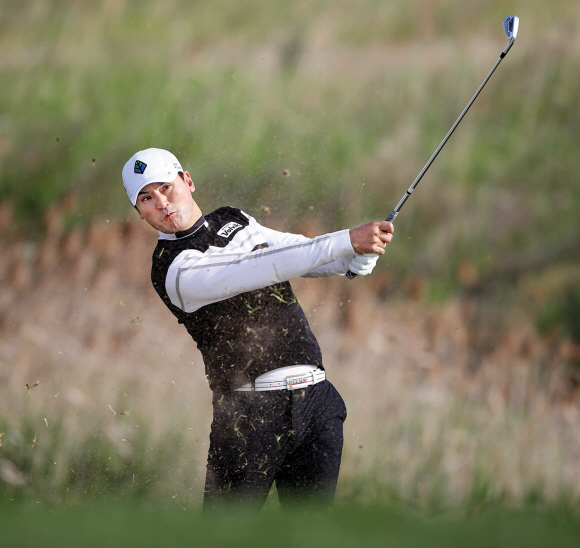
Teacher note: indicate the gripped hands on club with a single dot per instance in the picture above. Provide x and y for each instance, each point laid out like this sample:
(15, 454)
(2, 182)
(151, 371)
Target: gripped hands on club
(369, 242)
(371, 237)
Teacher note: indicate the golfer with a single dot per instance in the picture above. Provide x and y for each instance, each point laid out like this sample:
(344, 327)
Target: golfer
(226, 279)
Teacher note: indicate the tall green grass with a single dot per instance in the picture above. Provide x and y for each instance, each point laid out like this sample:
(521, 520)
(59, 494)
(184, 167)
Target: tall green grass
(323, 112)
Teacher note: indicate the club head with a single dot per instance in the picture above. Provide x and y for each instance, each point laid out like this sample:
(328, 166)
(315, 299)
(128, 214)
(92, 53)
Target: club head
(510, 26)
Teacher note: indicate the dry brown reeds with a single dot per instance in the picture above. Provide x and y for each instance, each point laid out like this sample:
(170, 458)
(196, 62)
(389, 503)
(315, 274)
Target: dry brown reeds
(449, 404)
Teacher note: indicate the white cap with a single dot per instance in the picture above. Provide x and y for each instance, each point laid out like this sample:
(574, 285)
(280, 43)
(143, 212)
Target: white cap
(153, 165)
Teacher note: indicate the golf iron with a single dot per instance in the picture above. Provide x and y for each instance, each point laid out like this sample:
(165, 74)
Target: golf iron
(510, 26)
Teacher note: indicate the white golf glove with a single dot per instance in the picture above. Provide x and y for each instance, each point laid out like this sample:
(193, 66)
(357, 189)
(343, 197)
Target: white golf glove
(363, 264)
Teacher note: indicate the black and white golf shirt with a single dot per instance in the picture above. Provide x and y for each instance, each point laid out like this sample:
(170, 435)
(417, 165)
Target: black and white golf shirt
(227, 280)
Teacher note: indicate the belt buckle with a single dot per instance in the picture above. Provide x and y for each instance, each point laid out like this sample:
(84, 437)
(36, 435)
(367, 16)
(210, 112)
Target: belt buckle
(294, 380)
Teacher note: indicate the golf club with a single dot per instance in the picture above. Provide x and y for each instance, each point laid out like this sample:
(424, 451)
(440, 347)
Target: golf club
(510, 26)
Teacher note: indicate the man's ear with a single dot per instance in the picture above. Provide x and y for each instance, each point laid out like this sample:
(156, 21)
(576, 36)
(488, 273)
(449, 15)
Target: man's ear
(187, 178)
(137, 210)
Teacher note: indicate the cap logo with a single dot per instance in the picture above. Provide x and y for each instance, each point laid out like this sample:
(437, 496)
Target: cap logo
(140, 167)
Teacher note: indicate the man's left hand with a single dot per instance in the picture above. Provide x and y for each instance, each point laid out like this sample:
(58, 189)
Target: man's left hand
(363, 264)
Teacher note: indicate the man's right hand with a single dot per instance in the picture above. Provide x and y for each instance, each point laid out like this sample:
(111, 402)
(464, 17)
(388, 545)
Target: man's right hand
(371, 237)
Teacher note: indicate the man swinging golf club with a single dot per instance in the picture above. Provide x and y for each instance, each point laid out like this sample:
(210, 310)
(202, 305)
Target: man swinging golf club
(226, 278)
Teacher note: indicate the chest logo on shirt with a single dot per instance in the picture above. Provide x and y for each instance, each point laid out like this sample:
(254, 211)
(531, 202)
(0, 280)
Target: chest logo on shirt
(226, 230)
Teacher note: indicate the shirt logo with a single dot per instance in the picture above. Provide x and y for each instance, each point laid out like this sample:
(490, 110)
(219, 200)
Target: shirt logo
(140, 167)
(226, 230)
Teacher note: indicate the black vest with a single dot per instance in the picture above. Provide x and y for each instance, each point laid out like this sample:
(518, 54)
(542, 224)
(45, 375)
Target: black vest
(248, 334)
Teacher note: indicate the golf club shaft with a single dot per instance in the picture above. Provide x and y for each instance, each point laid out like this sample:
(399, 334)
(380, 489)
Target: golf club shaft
(398, 207)
(393, 214)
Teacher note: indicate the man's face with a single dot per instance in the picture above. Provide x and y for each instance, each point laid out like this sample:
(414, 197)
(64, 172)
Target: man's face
(169, 207)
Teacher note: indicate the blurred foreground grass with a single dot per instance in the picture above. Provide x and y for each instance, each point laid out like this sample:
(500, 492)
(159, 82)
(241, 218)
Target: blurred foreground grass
(347, 526)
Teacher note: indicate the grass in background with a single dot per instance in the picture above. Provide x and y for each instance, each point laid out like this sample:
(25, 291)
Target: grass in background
(321, 113)
(329, 109)
(104, 399)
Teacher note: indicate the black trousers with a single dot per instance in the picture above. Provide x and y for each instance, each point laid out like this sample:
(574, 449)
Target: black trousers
(291, 437)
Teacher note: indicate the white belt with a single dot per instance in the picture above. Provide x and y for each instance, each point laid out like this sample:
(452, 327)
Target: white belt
(292, 377)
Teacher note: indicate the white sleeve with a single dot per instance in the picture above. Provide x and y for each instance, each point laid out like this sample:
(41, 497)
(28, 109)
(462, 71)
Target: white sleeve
(337, 267)
(196, 279)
